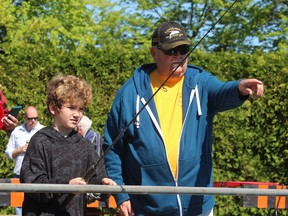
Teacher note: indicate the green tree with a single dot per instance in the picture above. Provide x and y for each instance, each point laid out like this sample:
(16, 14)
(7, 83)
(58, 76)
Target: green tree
(249, 25)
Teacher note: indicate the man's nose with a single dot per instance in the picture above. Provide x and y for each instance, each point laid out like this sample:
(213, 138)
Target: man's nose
(177, 53)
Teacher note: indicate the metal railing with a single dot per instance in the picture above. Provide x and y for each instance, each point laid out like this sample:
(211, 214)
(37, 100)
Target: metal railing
(66, 188)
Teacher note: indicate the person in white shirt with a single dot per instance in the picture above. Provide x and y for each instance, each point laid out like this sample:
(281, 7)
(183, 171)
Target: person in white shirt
(19, 138)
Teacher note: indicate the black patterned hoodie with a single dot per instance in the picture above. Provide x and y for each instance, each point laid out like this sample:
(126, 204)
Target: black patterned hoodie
(52, 158)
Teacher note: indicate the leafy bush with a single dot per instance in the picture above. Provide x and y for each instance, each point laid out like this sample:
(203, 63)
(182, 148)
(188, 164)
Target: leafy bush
(250, 142)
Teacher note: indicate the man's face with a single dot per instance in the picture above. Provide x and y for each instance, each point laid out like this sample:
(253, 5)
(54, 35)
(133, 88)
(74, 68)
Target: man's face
(166, 63)
(31, 118)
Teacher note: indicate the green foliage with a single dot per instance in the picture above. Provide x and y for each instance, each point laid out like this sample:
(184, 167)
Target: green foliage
(104, 46)
(7, 211)
(250, 142)
(5, 164)
(248, 25)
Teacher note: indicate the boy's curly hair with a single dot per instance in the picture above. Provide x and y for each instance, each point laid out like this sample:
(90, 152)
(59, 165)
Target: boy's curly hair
(68, 89)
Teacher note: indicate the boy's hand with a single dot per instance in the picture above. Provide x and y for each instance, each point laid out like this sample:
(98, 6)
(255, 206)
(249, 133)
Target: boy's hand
(78, 180)
(108, 181)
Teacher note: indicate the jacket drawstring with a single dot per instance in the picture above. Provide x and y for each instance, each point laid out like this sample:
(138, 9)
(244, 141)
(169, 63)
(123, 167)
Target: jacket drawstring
(193, 92)
(153, 118)
(137, 122)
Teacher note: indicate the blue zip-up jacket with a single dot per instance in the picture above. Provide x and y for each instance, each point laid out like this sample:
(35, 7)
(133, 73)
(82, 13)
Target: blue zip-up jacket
(139, 156)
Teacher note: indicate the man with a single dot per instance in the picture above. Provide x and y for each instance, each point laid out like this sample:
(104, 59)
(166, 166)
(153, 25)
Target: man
(84, 128)
(7, 121)
(19, 138)
(170, 142)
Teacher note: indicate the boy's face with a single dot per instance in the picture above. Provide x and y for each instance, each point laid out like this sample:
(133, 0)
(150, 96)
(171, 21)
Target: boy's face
(67, 118)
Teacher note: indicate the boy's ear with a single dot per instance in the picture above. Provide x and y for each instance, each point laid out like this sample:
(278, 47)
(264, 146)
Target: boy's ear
(52, 108)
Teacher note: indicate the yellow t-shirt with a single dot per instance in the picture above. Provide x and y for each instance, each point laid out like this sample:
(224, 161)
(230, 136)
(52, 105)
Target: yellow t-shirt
(168, 102)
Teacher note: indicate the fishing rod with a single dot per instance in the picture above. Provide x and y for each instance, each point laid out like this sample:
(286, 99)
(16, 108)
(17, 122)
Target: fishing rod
(89, 174)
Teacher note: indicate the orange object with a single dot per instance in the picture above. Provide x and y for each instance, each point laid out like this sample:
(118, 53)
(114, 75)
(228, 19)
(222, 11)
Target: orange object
(282, 202)
(275, 202)
(262, 200)
(16, 198)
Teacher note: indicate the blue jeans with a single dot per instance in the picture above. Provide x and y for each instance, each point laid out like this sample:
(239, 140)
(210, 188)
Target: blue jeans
(18, 211)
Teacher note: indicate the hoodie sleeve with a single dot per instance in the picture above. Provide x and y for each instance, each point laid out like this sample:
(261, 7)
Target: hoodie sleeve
(113, 128)
(223, 95)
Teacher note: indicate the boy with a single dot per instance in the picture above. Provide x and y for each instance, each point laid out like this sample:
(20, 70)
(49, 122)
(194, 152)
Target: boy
(60, 155)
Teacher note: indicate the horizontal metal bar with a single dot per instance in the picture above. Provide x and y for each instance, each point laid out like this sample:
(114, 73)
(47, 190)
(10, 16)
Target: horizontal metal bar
(66, 188)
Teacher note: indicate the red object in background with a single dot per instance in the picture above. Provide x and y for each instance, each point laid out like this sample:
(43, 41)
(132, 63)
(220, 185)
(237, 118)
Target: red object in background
(240, 183)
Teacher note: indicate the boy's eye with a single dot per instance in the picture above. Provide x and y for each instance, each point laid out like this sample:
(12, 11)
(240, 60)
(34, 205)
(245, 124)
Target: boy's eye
(75, 108)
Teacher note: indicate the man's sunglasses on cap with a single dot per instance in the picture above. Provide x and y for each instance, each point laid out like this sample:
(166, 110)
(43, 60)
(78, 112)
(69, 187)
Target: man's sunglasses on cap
(183, 50)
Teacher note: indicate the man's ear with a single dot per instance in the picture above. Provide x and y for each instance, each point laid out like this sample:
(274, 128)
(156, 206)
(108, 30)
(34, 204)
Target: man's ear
(152, 52)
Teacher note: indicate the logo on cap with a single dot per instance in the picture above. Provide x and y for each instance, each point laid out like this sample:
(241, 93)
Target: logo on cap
(174, 33)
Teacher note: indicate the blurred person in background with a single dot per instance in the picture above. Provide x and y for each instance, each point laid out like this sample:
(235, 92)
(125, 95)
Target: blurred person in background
(84, 128)
(19, 140)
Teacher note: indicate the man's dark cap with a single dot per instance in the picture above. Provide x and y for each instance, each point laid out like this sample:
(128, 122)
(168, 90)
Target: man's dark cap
(169, 35)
